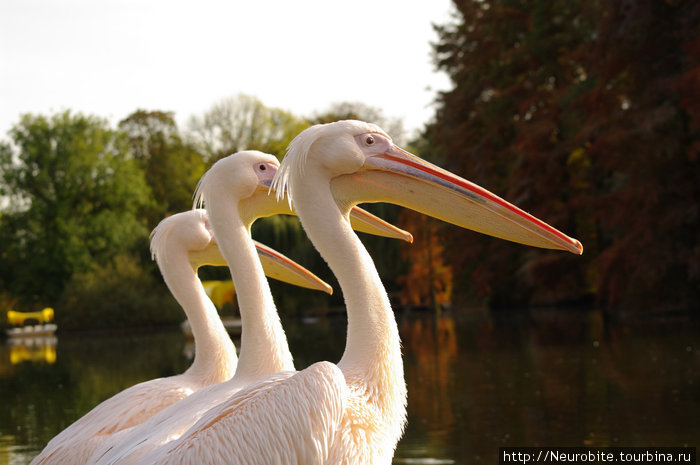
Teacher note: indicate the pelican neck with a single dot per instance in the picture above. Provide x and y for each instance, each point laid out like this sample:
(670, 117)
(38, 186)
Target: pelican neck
(372, 335)
(215, 354)
(264, 348)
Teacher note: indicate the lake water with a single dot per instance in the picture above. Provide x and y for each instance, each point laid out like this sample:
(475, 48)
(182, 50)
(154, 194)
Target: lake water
(476, 381)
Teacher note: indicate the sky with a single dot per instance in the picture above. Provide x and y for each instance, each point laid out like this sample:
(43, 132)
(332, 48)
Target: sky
(111, 57)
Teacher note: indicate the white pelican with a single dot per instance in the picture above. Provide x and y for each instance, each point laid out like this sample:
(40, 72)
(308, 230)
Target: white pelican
(353, 412)
(235, 191)
(180, 244)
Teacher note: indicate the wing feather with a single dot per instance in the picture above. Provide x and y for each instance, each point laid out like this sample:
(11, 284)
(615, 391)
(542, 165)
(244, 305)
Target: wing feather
(129, 407)
(165, 426)
(288, 421)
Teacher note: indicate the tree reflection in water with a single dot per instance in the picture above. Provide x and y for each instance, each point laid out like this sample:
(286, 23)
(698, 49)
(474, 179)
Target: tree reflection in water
(476, 381)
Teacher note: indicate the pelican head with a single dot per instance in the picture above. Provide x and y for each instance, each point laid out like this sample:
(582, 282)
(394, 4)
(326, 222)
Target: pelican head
(189, 230)
(245, 176)
(335, 150)
(362, 164)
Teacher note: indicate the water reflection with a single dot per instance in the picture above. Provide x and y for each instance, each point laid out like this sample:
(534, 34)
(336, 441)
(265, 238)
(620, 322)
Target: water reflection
(33, 349)
(40, 399)
(476, 381)
(547, 378)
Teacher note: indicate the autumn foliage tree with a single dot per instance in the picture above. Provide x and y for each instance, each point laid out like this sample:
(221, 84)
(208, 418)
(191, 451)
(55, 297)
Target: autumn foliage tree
(428, 279)
(584, 113)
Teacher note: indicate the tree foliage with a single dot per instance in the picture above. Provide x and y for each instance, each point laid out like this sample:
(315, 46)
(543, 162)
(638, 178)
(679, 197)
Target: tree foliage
(120, 293)
(74, 198)
(429, 279)
(585, 114)
(172, 167)
(243, 122)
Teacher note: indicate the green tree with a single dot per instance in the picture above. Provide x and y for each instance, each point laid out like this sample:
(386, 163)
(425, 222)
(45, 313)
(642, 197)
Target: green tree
(121, 293)
(74, 194)
(172, 166)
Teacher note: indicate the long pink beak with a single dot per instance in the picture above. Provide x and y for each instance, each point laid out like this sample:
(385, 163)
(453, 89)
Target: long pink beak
(282, 268)
(402, 178)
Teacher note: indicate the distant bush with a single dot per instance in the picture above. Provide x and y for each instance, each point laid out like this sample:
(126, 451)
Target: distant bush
(121, 294)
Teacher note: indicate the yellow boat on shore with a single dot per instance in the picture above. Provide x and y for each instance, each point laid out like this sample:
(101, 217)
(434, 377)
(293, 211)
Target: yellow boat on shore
(41, 323)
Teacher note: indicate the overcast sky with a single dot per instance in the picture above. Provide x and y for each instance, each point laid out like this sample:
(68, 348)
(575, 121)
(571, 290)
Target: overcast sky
(111, 57)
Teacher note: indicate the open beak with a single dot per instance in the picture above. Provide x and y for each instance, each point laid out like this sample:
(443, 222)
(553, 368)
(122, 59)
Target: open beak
(282, 268)
(402, 178)
(275, 265)
(363, 221)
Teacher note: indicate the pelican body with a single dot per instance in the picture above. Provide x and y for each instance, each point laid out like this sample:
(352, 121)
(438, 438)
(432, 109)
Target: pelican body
(235, 191)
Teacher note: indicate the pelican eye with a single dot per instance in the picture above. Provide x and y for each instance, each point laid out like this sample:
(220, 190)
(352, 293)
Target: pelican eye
(369, 140)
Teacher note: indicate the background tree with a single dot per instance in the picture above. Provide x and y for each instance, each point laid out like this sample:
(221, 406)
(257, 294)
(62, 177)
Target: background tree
(172, 166)
(244, 123)
(579, 112)
(75, 195)
(642, 134)
(125, 292)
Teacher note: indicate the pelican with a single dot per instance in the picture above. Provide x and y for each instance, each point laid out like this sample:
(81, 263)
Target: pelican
(353, 412)
(235, 192)
(180, 244)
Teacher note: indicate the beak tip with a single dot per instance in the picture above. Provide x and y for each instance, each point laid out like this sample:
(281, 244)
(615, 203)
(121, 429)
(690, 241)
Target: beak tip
(409, 238)
(578, 247)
